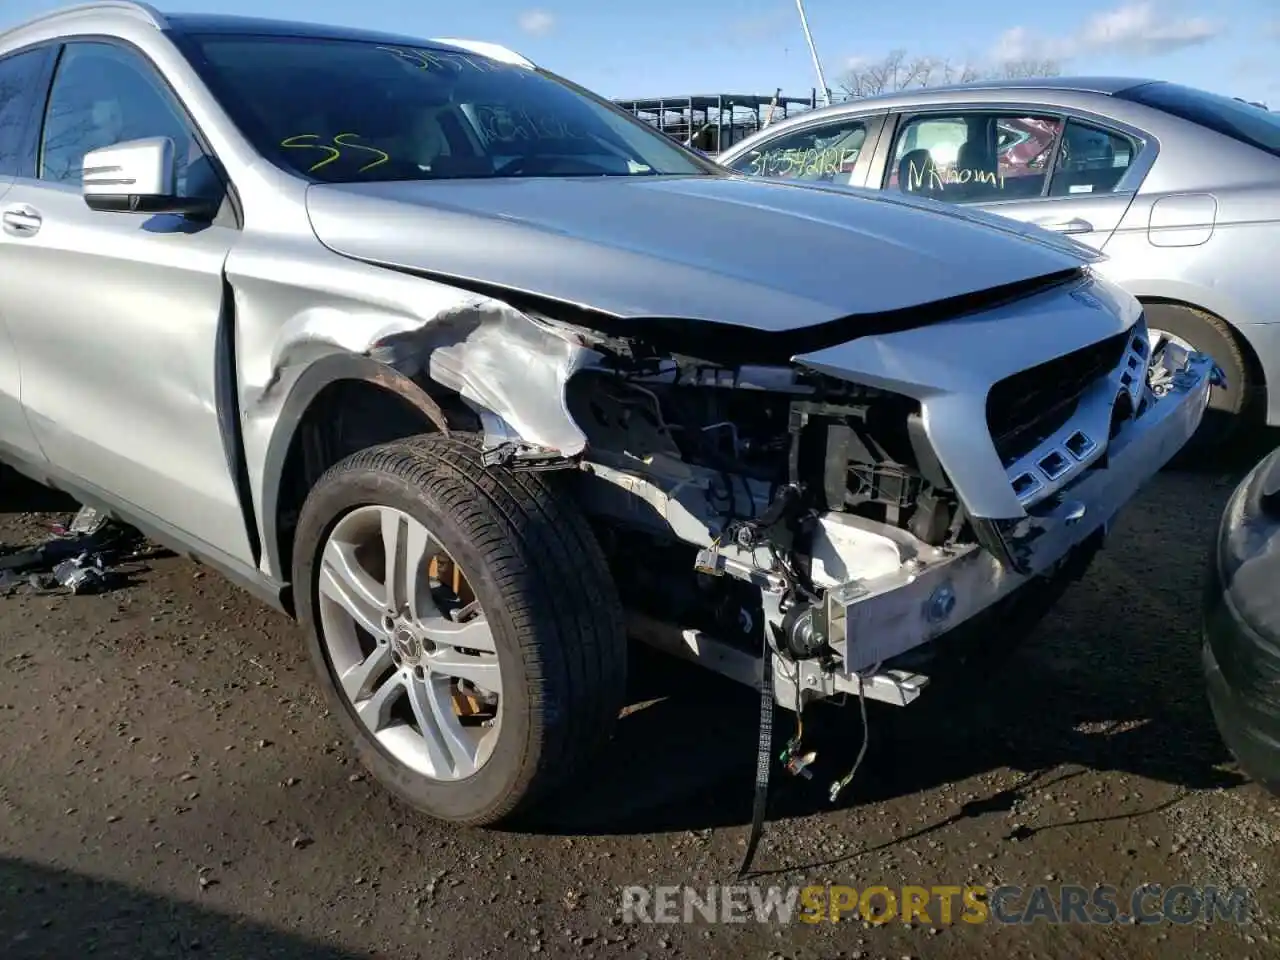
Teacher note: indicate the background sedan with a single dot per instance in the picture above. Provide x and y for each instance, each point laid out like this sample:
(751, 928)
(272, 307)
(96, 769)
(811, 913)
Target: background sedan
(1178, 187)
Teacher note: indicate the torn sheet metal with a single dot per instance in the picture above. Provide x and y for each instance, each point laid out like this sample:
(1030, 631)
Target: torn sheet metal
(495, 357)
(504, 363)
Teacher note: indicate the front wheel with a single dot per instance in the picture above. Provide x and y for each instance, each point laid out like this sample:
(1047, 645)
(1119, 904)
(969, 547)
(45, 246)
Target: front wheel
(468, 636)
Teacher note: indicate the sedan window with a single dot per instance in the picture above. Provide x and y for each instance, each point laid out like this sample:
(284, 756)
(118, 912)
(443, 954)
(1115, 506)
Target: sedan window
(828, 152)
(1090, 161)
(973, 157)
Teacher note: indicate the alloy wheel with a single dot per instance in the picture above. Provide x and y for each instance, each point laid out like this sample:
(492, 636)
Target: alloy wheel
(409, 645)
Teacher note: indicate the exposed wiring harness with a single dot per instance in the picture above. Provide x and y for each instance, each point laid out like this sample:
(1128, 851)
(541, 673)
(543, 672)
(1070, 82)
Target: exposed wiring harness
(838, 786)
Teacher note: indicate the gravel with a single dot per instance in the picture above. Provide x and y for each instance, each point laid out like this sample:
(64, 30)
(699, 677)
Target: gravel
(172, 729)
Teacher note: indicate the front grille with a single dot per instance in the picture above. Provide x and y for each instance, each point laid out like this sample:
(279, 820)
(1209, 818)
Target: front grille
(1027, 408)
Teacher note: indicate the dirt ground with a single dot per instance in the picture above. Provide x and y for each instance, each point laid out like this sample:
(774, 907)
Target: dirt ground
(171, 786)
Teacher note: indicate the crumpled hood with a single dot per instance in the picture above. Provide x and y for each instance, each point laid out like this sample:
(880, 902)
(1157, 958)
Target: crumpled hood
(750, 252)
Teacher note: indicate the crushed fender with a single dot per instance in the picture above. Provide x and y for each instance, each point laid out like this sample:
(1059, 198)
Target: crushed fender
(502, 362)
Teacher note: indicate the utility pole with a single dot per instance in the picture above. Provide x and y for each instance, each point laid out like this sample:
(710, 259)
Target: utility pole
(813, 52)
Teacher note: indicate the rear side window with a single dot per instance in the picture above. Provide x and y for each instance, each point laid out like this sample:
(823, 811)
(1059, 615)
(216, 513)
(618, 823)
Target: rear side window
(1090, 161)
(19, 77)
(1232, 118)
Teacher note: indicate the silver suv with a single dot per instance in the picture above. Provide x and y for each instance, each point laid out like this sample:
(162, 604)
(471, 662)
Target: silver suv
(477, 375)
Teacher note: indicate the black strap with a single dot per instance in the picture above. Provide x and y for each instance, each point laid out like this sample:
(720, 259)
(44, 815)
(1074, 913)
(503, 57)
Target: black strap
(764, 759)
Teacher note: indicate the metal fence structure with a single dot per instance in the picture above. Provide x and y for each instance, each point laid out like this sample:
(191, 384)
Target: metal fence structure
(715, 122)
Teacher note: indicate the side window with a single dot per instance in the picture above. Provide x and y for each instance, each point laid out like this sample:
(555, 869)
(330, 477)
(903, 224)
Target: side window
(974, 157)
(19, 76)
(1090, 161)
(827, 152)
(103, 95)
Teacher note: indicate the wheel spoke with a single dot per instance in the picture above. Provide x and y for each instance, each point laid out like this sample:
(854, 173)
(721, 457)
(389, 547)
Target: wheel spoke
(441, 733)
(394, 535)
(358, 680)
(474, 634)
(376, 710)
(407, 544)
(347, 583)
(483, 671)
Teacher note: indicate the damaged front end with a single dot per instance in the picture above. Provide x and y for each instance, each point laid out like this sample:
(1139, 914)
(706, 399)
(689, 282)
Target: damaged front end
(843, 507)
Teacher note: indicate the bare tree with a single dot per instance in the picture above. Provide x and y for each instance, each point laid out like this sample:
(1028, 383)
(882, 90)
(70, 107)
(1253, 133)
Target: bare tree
(11, 111)
(1027, 67)
(895, 71)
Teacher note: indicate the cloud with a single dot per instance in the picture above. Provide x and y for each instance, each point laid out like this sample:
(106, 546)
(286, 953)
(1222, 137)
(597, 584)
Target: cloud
(1019, 43)
(1141, 28)
(537, 22)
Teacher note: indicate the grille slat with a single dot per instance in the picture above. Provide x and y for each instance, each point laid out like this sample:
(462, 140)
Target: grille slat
(1027, 408)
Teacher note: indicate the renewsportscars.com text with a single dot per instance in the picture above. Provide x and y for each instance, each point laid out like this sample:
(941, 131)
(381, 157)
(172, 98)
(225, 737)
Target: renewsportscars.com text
(938, 905)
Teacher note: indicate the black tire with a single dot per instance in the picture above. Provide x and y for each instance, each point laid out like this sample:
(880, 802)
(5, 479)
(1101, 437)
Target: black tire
(542, 580)
(1228, 405)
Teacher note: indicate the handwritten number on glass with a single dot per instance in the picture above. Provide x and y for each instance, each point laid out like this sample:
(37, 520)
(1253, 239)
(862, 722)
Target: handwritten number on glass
(799, 162)
(309, 141)
(448, 61)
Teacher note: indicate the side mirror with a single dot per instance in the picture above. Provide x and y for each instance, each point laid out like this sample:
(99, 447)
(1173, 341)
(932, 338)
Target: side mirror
(138, 176)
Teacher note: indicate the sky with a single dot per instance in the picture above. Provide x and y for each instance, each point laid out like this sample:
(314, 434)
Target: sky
(683, 47)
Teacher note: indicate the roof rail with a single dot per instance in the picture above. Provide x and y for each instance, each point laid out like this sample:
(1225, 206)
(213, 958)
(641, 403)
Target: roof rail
(493, 51)
(130, 8)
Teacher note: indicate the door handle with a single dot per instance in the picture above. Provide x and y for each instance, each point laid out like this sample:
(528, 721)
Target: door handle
(23, 221)
(1074, 225)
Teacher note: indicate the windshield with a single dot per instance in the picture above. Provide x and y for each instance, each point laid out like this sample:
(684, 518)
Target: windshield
(343, 111)
(1241, 121)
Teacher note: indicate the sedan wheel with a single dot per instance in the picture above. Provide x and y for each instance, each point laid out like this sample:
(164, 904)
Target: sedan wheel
(1194, 329)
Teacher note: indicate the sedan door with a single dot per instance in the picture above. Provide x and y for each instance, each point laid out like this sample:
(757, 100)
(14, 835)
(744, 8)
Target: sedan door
(121, 321)
(1035, 166)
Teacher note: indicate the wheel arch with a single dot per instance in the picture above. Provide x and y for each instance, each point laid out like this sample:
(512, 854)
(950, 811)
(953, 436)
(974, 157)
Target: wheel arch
(340, 404)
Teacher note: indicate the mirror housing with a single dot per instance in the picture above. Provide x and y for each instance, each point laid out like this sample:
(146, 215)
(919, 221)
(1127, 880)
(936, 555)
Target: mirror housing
(138, 176)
